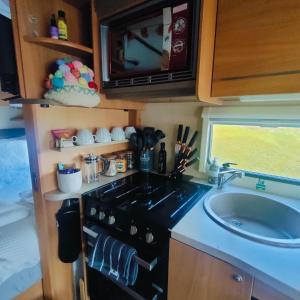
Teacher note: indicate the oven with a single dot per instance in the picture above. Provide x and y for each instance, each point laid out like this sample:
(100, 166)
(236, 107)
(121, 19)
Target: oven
(138, 210)
(152, 260)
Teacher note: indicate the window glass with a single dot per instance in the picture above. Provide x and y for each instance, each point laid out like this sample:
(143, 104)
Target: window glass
(261, 149)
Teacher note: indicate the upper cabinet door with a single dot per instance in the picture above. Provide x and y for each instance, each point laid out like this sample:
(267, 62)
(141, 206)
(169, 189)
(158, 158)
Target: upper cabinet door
(257, 47)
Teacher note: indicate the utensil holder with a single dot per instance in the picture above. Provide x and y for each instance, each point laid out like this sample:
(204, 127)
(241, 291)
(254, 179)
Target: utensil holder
(69, 183)
(146, 160)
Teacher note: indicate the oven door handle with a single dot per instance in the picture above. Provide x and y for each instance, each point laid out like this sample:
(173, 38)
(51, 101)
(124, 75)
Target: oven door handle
(141, 262)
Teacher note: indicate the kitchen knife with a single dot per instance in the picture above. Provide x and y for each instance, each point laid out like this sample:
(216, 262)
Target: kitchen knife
(192, 153)
(191, 162)
(186, 159)
(185, 151)
(178, 141)
(183, 145)
(192, 141)
(189, 156)
(185, 135)
(188, 164)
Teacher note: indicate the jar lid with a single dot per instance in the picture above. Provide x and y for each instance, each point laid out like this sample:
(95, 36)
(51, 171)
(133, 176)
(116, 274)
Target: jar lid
(90, 158)
(129, 152)
(109, 156)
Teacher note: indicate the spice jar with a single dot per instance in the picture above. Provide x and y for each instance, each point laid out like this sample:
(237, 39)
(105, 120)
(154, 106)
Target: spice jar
(130, 159)
(121, 162)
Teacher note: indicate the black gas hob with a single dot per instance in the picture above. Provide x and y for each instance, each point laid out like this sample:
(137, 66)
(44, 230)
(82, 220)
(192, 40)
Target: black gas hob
(139, 210)
(149, 197)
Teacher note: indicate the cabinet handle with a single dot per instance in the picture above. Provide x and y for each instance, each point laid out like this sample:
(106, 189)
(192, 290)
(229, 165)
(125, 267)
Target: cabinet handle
(238, 278)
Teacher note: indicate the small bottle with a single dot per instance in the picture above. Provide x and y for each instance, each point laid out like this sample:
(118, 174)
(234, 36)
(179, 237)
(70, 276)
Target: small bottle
(213, 172)
(162, 159)
(62, 26)
(53, 27)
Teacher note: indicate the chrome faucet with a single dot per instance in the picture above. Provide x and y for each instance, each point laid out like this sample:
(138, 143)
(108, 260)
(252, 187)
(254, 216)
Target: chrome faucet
(222, 180)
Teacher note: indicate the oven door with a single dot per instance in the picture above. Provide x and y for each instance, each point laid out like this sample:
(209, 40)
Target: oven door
(151, 282)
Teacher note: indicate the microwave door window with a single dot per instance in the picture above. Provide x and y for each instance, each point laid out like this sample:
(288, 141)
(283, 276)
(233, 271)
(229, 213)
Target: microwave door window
(138, 49)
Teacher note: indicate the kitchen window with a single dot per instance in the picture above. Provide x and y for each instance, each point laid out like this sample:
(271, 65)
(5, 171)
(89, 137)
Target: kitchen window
(264, 142)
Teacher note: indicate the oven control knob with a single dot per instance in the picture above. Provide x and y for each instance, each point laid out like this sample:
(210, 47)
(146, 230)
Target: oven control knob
(101, 215)
(111, 220)
(133, 230)
(149, 237)
(93, 211)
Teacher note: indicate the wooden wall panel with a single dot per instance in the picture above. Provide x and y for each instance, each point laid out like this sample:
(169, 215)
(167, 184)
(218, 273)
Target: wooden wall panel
(39, 122)
(33, 65)
(62, 117)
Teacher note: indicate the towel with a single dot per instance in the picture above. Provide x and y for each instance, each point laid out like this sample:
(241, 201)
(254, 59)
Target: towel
(114, 259)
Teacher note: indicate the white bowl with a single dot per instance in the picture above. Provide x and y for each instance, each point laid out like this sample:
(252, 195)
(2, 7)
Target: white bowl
(102, 135)
(129, 131)
(117, 134)
(69, 183)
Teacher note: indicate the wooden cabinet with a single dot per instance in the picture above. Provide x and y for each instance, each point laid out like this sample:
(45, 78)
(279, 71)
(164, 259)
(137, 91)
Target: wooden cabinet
(194, 275)
(257, 48)
(262, 291)
(109, 8)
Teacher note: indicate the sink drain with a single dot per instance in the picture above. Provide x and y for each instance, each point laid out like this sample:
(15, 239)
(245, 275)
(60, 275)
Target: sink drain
(236, 222)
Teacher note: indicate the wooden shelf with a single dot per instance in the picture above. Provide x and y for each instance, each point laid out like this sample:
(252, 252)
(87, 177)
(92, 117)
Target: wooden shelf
(104, 104)
(96, 145)
(60, 45)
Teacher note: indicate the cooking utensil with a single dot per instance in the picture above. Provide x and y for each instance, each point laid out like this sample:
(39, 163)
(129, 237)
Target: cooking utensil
(140, 143)
(133, 139)
(149, 130)
(159, 134)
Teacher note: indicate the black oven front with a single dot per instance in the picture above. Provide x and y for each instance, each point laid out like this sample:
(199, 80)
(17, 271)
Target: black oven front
(152, 277)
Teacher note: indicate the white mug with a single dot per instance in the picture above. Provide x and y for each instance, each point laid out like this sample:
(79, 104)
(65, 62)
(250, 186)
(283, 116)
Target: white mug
(84, 137)
(102, 135)
(117, 134)
(129, 130)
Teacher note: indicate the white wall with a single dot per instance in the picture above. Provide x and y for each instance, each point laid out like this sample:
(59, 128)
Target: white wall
(9, 117)
(167, 116)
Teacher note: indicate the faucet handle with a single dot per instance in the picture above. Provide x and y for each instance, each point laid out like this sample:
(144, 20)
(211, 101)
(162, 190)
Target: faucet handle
(227, 165)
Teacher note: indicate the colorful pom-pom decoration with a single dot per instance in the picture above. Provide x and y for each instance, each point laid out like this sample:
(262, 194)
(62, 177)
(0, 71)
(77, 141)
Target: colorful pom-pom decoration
(72, 83)
(76, 73)
(77, 64)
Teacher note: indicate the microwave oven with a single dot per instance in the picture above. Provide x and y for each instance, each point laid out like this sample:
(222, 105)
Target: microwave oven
(150, 44)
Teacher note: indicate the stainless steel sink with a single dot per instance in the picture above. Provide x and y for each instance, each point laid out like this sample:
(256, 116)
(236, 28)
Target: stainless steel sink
(255, 217)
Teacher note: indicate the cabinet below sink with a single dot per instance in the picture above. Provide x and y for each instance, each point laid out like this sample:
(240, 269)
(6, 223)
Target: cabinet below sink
(195, 275)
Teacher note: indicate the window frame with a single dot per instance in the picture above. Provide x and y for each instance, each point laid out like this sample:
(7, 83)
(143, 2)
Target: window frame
(240, 116)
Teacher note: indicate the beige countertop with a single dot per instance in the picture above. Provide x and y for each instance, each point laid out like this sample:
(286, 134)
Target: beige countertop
(103, 180)
(275, 266)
